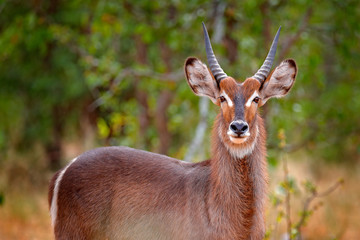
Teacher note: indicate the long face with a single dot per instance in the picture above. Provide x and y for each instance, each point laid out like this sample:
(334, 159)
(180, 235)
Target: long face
(238, 124)
(239, 103)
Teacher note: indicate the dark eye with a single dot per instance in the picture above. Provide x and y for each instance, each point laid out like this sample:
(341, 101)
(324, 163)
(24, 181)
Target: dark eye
(222, 99)
(256, 99)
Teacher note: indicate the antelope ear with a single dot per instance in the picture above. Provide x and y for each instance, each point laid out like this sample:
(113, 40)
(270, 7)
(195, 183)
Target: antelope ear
(280, 81)
(200, 79)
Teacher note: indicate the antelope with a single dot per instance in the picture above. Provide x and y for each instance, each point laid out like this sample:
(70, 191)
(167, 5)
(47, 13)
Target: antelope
(125, 193)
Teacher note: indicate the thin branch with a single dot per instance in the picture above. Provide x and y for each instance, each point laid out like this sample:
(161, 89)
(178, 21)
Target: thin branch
(169, 77)
(288, 148)
(129, 72)
(287, 197)
(311, 198)
(200, 130)
(330, 189)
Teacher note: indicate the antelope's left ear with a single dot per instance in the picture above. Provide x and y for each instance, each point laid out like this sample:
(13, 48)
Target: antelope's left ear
(280, 81)
(200, 79)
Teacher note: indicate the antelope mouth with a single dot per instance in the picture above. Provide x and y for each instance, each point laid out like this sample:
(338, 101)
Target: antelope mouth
(237, 139)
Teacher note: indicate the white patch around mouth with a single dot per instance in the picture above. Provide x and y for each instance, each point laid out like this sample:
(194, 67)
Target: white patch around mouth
(235, 138)
(243, 151)
(238, 140)
(232, 134)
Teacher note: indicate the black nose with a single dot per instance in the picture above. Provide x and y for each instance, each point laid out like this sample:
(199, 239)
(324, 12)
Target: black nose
(239, 127)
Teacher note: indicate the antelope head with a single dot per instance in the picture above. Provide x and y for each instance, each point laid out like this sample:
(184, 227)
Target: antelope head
(239, 100)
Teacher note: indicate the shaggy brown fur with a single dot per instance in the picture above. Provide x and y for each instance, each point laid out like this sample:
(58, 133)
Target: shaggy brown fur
(124, 193)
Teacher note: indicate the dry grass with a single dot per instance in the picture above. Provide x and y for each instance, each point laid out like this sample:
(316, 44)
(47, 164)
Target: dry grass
(338, 217)
(24, 215)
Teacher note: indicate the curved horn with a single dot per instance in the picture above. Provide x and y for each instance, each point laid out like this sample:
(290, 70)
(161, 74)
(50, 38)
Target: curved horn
(214, 66)
(264, 70)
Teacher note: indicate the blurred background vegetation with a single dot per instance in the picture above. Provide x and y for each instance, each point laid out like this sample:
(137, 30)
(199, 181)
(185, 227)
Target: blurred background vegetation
(79, 74)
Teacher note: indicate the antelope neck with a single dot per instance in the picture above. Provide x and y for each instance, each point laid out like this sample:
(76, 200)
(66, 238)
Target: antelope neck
(234, 182)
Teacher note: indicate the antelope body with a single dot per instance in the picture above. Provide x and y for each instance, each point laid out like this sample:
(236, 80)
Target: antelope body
(124, 193)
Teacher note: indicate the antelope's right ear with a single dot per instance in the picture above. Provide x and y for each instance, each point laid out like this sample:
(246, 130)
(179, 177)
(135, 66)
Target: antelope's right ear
(280, 81)
(200, 79)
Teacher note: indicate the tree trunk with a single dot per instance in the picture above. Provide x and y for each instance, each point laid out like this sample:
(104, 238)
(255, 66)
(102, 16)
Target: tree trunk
(163, 102)
(54, 147)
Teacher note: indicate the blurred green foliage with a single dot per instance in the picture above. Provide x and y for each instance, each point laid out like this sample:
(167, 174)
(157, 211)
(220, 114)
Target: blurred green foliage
(120, 64)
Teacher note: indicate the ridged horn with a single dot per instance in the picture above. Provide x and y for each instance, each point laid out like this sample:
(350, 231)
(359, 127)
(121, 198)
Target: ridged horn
(264, 70)
(214, 66)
